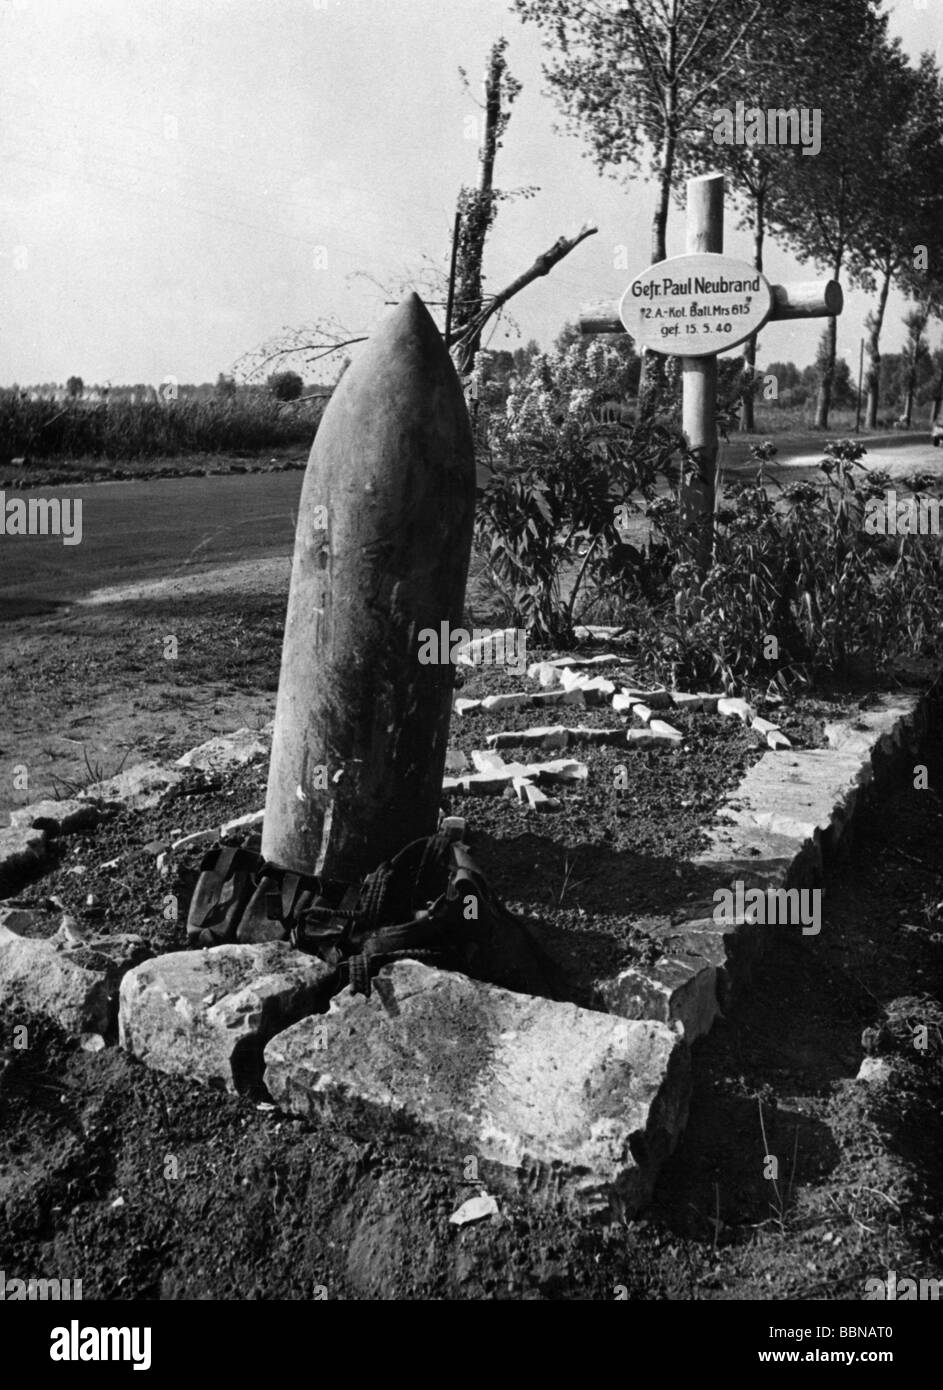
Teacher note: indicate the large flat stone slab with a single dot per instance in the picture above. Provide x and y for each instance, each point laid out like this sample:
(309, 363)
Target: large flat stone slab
(226, 751)
(799, 795)
(758, 858)
(879, 725)
(56, 817)
(207, 1014)
(675, 989)
(561, 1101)
(36, 975)
(772, 832)
(138, 788)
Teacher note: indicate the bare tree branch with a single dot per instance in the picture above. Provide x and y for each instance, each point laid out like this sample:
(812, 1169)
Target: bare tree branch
(544, 263)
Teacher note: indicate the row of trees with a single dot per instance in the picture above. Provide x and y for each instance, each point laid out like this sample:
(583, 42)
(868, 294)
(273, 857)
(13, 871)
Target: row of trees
(284, 386)
(908, 378)
(644, 80)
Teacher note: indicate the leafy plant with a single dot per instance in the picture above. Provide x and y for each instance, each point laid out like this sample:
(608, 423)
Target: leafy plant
(563, 475)
(798, 588)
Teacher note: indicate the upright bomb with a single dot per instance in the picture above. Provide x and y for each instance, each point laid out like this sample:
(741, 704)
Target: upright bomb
(382, 549)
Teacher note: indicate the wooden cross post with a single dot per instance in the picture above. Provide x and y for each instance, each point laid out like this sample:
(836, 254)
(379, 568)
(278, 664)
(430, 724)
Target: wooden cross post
(694, 307)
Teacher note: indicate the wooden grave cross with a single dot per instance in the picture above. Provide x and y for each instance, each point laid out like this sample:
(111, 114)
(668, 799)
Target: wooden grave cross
(698, 305)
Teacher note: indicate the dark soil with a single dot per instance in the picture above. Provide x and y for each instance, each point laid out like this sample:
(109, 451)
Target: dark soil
(594, 872)
(267, 1207)
(264, 1207)
(590, 876)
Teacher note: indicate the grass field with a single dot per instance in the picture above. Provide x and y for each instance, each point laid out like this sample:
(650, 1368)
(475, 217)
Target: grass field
(38, 430)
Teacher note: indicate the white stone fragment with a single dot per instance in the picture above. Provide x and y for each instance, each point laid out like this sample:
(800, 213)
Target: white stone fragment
(138, 788)
(597, 690)
(622, 702)
(732, 705)
(499, 774)
(474, 652)
(520, 785)
(56, 817)
(488, 762)
(685, 701)
(475, 1209)
(539, 801)
(246, 822)
(508, 701)
(772, 733)
(644, 738)
(655, 699)
(658, 726)
(545, 672)
(232, 750)
(198, 837)
(606, 659)
(547, 736)
(207, 1014)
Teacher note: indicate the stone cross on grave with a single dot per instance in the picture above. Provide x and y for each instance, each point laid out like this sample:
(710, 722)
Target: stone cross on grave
(696, 306)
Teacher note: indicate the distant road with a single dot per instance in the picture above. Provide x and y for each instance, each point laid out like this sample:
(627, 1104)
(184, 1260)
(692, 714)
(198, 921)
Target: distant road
(149, 530)
(166, 528)
(900, 454)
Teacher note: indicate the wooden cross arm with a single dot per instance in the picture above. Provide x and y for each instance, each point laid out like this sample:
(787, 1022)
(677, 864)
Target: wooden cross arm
(809, 299)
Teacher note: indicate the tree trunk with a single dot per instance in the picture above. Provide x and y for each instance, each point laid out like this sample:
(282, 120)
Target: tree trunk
(660, 219)
(653, 363)
(917, 327)
(911, 386)
(478, 208)
(875, 324)
(937, 396)
(824, 403)
(747, 405)
(652, 373)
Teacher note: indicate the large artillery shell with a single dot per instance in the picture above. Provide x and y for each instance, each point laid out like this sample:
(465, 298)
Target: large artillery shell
(381, 552)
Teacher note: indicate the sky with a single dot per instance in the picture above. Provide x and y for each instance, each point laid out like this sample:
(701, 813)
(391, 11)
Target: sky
(181, 179)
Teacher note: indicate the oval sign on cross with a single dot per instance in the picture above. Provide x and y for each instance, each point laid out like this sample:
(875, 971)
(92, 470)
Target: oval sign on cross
(692, 306)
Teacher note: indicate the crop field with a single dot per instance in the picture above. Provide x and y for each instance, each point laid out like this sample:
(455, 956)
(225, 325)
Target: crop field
(36, 430)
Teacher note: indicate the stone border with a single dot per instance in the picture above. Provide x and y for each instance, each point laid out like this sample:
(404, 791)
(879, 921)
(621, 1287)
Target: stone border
(778, 830)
